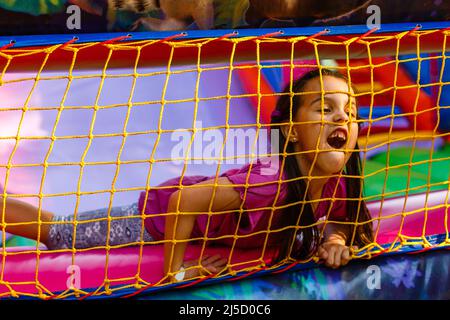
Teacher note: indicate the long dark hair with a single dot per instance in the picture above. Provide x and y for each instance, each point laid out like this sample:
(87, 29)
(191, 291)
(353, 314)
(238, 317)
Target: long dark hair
(305, 241)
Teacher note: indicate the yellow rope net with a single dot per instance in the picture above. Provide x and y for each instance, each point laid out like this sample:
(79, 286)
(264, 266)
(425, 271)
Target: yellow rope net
(39, 64)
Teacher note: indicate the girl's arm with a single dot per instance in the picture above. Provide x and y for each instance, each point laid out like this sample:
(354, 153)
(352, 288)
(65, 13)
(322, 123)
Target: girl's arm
(185, 204)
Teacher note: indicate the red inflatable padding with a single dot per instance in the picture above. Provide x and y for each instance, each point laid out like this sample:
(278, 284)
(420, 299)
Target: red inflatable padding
(267, 102)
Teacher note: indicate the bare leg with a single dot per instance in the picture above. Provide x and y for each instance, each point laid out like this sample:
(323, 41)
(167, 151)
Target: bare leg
(22, 219)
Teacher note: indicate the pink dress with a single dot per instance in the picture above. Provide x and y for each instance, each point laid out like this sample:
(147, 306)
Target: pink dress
(266, 191)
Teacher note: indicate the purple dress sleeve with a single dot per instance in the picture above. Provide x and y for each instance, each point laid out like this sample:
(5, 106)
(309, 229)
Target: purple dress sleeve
(258, 185)
(261, 189)
(259, 194)
(155, 202)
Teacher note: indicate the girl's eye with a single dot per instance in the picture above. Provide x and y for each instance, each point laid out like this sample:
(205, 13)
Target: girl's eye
(325, 109)
(352, 113)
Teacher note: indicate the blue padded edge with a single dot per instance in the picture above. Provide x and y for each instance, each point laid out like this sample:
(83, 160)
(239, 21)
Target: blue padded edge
(406, 249)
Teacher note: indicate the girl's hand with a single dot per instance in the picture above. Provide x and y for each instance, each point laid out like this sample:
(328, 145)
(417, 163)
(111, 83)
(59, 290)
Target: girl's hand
(209, 265)
(334, 253)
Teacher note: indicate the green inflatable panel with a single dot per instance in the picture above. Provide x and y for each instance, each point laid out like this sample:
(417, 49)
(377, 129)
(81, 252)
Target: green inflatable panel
(412, 169)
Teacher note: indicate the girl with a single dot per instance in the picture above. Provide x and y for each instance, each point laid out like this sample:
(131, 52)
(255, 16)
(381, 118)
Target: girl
(247, 206)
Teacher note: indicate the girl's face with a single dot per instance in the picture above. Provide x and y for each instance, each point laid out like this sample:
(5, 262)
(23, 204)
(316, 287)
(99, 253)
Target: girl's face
(325, 129)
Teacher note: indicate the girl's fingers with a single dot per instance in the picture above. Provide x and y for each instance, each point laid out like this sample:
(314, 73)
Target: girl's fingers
(213, 268)
(216, 265)
(221, 263)
(331, 255)
(209, 265)
(195, 262)
(345, 257)
(191, 273)
(212, 259)
(337, 258)
(322, 253)
(334, 255)
(205, 259)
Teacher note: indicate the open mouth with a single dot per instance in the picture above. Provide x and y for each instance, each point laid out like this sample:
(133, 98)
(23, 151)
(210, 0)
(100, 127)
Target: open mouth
(337, 138)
